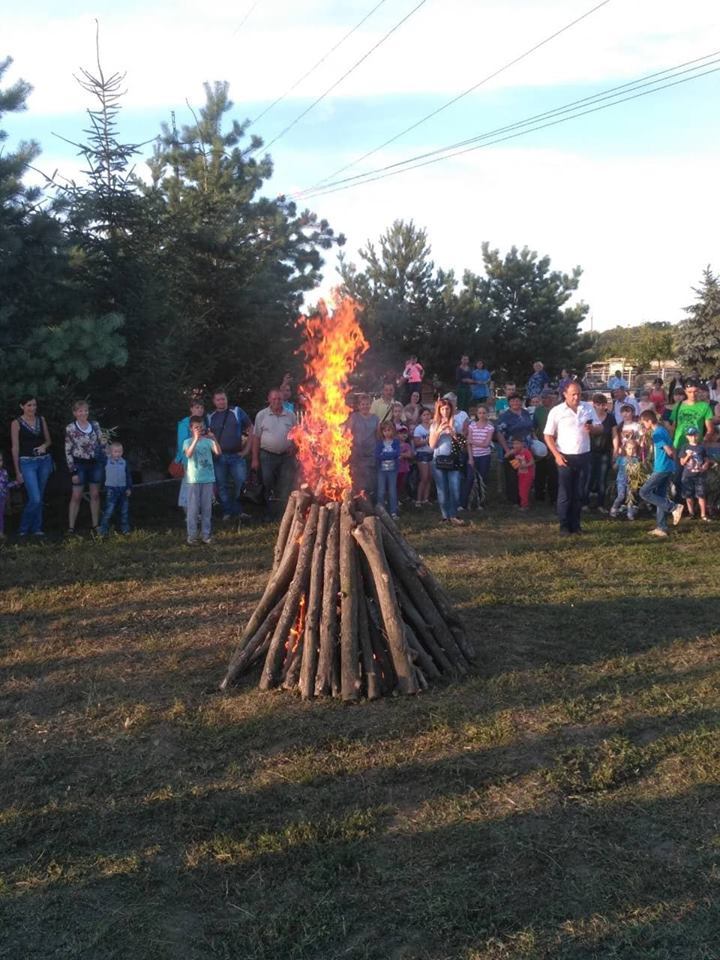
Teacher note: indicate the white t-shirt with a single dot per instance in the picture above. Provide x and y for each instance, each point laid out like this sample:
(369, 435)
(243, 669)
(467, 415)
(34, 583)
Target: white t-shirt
(568, 427)
(422, 433)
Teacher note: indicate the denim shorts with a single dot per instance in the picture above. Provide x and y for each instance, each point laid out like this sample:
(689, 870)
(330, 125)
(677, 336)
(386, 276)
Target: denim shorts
(692, 485)
(424, 456)
(89, 471)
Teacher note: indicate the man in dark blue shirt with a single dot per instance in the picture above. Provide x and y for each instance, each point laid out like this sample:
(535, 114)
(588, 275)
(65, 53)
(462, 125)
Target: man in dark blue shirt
(232, 428)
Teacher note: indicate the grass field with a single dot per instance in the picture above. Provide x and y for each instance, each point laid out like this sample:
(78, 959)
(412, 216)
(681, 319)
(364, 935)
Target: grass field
(562, 802)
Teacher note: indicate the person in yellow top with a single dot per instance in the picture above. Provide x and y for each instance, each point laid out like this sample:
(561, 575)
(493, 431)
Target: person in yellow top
(381, 407)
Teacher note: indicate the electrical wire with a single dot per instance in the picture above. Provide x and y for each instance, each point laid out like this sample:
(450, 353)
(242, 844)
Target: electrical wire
(318, 64)
(413, 164)
(346, 74)
(247, 16)
(465, 93)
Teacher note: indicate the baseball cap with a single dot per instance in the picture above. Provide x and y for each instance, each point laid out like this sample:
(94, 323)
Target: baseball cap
(692, 432)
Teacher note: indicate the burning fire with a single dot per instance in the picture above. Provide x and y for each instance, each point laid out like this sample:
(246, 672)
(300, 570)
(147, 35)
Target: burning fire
(334, 343)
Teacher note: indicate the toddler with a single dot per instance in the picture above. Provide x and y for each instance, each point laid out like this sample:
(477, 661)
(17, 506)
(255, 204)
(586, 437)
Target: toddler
(5, 484)
(406, 460)
(118, 487)
(522, 460)
(627, 458)
(387, 457)
(695, 463)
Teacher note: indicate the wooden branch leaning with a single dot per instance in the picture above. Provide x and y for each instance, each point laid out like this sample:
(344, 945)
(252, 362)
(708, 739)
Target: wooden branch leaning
(349, 609)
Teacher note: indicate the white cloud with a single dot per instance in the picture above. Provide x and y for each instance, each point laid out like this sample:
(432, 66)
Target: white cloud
(168, 51)
(631, 223)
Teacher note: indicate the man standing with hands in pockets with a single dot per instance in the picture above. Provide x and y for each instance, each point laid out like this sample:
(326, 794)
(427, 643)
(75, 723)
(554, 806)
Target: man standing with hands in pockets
(567, 435)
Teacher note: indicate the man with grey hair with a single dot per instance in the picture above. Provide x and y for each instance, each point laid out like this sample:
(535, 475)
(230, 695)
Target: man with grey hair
(273, 451)
(567, 435)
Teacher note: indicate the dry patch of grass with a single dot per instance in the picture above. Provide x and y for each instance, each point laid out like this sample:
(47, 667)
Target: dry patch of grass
(560, 802)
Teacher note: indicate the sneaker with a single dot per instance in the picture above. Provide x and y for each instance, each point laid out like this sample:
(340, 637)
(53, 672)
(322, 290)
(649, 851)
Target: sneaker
(705, 519)
(418, 503)
(456, 521)
(395, 516)
(657, 532)
(191, 541)
(207, 539)
(677, 513)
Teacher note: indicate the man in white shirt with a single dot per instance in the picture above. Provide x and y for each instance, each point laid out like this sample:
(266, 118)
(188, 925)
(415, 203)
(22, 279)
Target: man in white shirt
(273, 452)
(567, 434)
(617, 380)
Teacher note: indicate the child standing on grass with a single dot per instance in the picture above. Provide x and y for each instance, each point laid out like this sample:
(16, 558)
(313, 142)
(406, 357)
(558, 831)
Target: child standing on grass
(695, 463)
(522, 460)
(654, 490)
(118, 487)
(627, 459)
(405, 462)
(6, 484)
(199, 450)
(387, 456)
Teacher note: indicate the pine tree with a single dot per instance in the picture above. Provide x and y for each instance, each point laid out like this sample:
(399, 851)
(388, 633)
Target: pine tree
(698, 335)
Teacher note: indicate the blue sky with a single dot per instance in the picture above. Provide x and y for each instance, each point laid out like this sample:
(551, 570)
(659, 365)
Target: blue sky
(629, 192)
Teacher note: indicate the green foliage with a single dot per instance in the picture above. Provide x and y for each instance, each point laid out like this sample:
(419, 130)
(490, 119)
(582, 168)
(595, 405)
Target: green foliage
(698, 336)
(642, 344)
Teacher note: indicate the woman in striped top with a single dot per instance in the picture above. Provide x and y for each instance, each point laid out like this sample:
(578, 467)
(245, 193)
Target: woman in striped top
(480, 433)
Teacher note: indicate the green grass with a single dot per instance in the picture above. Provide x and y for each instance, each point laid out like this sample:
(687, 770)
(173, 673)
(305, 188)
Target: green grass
(561, 802)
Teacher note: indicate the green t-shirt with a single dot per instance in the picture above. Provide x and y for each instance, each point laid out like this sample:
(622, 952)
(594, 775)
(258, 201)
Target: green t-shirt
(686, 415)
(200, 467)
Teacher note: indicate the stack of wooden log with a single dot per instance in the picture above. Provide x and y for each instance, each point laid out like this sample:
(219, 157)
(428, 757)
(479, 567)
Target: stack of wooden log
(350, 609)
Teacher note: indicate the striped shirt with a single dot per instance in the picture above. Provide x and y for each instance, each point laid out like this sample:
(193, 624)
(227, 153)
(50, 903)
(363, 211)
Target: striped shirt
(480, 437)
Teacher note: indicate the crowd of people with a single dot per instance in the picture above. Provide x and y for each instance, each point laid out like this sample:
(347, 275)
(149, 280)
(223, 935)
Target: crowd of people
(554, 441)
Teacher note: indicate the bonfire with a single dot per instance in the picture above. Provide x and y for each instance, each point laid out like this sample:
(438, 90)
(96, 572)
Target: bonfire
(350, 609)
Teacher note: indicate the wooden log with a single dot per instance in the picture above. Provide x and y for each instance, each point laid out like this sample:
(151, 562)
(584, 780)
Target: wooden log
(369, 537)
(434, 589)
(298, 586)
(373, 684)
(421, 679)
(420, 655)
(328, 615)
(284, 529)
(349, 599)
(244, 656)
(423, 631)
(427, 609)
(311, 640)
(388, 680)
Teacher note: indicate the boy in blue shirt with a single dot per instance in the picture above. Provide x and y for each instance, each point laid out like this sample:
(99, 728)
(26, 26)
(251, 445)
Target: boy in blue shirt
(654, 490)
(200, 473)
(118, 487)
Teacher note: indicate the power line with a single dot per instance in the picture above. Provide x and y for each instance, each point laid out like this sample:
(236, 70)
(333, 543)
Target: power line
(347, 73)
(410, 164)
(247, 16)
(460, 96)
(610, 93)
(318, 64)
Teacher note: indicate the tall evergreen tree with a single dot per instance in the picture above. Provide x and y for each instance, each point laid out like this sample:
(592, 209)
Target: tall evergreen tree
(698, 335)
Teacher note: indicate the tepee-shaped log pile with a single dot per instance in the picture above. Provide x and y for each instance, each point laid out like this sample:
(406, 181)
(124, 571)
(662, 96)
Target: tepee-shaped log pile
(350, 609)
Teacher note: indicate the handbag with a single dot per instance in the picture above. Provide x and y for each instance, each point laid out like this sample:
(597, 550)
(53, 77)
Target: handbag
(538, 448)
(446, 461)
(253, 490)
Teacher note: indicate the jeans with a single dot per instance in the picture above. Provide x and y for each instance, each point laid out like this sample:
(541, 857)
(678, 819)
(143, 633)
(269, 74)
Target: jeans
(653, 491)
(599, 468)
(35, 471)
(447, 484)
(199, 507)
(387, 484)
(115, 496)
(230, 470)
(572, 483)
(546, 479)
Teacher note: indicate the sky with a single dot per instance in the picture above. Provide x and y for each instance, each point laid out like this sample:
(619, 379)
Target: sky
(628, 193)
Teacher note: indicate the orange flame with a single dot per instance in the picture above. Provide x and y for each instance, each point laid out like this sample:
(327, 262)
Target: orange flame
(334, 343)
